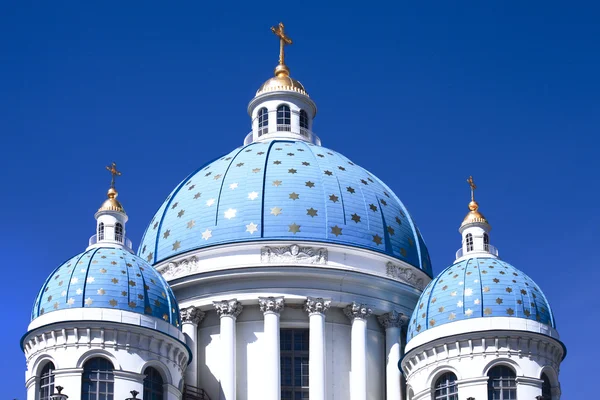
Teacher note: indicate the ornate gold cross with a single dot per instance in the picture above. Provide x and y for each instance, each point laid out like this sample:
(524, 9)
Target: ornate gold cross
(283, 40)
(114, 172)
(471, 183)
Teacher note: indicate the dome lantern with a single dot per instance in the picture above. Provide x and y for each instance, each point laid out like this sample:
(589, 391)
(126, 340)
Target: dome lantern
(111, 218)
(282, 108)
(475, 231)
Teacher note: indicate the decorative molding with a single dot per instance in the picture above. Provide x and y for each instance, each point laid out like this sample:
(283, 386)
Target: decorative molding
(191, 315)
(271, 304)
(293, 254)
(228, 308)
(357, 311)
(184, 267)
(316, 305)
(406, 274)
(393, 319)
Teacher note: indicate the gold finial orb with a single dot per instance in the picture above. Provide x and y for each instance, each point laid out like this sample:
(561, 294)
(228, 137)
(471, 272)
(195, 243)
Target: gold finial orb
(473, 206)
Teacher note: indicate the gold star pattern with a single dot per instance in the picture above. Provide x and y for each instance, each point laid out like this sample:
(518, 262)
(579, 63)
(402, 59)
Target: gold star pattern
(399, 221)
(176, 245)
(350, 189)
(377, 239)
(256, 170)
(217, 177)
(207, 234)
(487, 311)
(312, 212)
(441, 309)
(91, 279)
(333, 198)
(527, 313)
(294, 196)
(233, 186)
(180, 213)
(252, 195)
(294, 228)
(239, 164)
(197, 196)
(403, 252)
(499, 300)
(191, 187)
(469, 312)
(290, 154)
(88, 301)
(55, 305)
(292, 171)
(174, 206)
(310, 184)
(373, 207)
(276, 162)
(131, 304)
(355, 218)
(432, 322)
(452, 316)
(113, 303)
(336, 230)
(391, 230)
(230, 213)
(102, 270)
(306, 164)
(166, 234)
(276, 211)
(510, 311)
(150, 255)
(210, 202)
(509, 290)
(251, 227)
(101, 291)
(132, 283)
(71, 301)
(154, 227)
(328, 173)
(191, 224)
(277, 183)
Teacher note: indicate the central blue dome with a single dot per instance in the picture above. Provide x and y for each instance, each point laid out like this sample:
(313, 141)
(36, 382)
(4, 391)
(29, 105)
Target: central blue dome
(283, 190)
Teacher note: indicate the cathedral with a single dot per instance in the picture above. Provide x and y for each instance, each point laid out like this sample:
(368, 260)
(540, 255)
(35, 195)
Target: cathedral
(284, 271)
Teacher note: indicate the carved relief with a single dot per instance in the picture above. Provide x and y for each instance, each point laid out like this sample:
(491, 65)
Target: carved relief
(405, 274)
(316, 305)
(293, 254)
(271, 304)
(184, 267)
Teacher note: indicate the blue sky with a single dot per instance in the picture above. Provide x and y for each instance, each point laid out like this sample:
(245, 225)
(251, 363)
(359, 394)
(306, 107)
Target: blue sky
(422, 95)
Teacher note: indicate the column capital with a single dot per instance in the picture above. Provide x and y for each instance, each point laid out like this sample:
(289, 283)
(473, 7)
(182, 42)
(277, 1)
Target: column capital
(271, 304)
(316, 305)
(393, 319)
(191, 315)
(357, 311)
(228, 308)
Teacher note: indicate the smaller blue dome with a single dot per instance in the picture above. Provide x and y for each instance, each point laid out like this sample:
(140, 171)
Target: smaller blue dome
(108, 277)
(479, 288)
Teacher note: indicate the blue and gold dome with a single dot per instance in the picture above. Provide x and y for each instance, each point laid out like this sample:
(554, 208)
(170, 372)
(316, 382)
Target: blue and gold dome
(479, 288)
(108, 277)
(283, 190)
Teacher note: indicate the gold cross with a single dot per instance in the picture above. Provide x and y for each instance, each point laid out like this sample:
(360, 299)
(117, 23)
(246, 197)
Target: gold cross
(114, 172)
(471, 183)
(283, 40)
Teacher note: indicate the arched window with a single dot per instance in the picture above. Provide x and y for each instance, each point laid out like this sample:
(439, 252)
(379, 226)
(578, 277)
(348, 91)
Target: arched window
(445, 387)
(47, 381)
(546, 388)
(97, 380)
(303, 121)
(469, 240)
(284, 118)
(101, 231)
(263, 121)
(486, 242)
(119, 232)
(502, 383)
(153, 384)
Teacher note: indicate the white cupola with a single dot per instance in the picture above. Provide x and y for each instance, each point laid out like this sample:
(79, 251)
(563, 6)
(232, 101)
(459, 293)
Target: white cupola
(281, 108)
(475, 231)
(111, 219)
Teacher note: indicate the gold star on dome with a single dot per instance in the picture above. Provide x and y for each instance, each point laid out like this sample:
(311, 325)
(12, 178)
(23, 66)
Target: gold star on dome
(210, 202)
(131, 304)
(74, 280)
(453, 294)
(113, 302)
(294, 196)
(451, 316)
(364, 182)
(191, 187)
(487, 311)
(276, 162)
(527, 313)
(469, 312)
(292, 171)
(102, 270)
(312, 212)
(510, 311)
(132, 283)
(180, 213)
(157, 303)
(341, 168)
(356, 218)
(305, 163)
(239, 164)
(441, 309)
(176, 245)
(166, 234)
(90, 279)
(294, 228)
(383, 202)
(174, 206)
(350, 189)
(150, 255)
(373, 207)
(310, 184)
(101, 291)
(217, 177)
(88, 301)
(191, 224)
(460, 303)
(391, 230)
(251, 227)
(276, 211)
(499, 300)
(207, 234)
(252, 195)
(230, 213)
(486, 289)
(256, 170)
(377, 239)
(277, 183)
(155, 225)
(290, 154)
(260, 153)
(233, 186)
(333, 198)
(55, 305)
(123, 293)
(496, 280)
(71, 301)
(328, 173)
(403, 252)
(509, 290)
(336, 230)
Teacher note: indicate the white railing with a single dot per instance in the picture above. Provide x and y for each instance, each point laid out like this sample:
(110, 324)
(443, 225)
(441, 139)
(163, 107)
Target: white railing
(285, 134)
(124, 240)
(487, 248)
(284, 127)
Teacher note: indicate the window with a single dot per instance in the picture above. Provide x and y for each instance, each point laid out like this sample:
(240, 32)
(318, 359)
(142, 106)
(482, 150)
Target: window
(47, 381)
(119, 232)
(153, 384)
(97, 380)
(101, 231)
(284, 118)
(502, 384)
(263, 121)
(303, 119)
(486, 242)
(546, 388)
(469, 240)
(293, 344)
(445, 387)
(411, 394)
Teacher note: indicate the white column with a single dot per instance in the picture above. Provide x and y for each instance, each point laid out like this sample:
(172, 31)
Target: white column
(271, 307)
(190, 318)
(392, 323)
(358, 314)
(228, 311)
(126, 382)
(316, 309)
